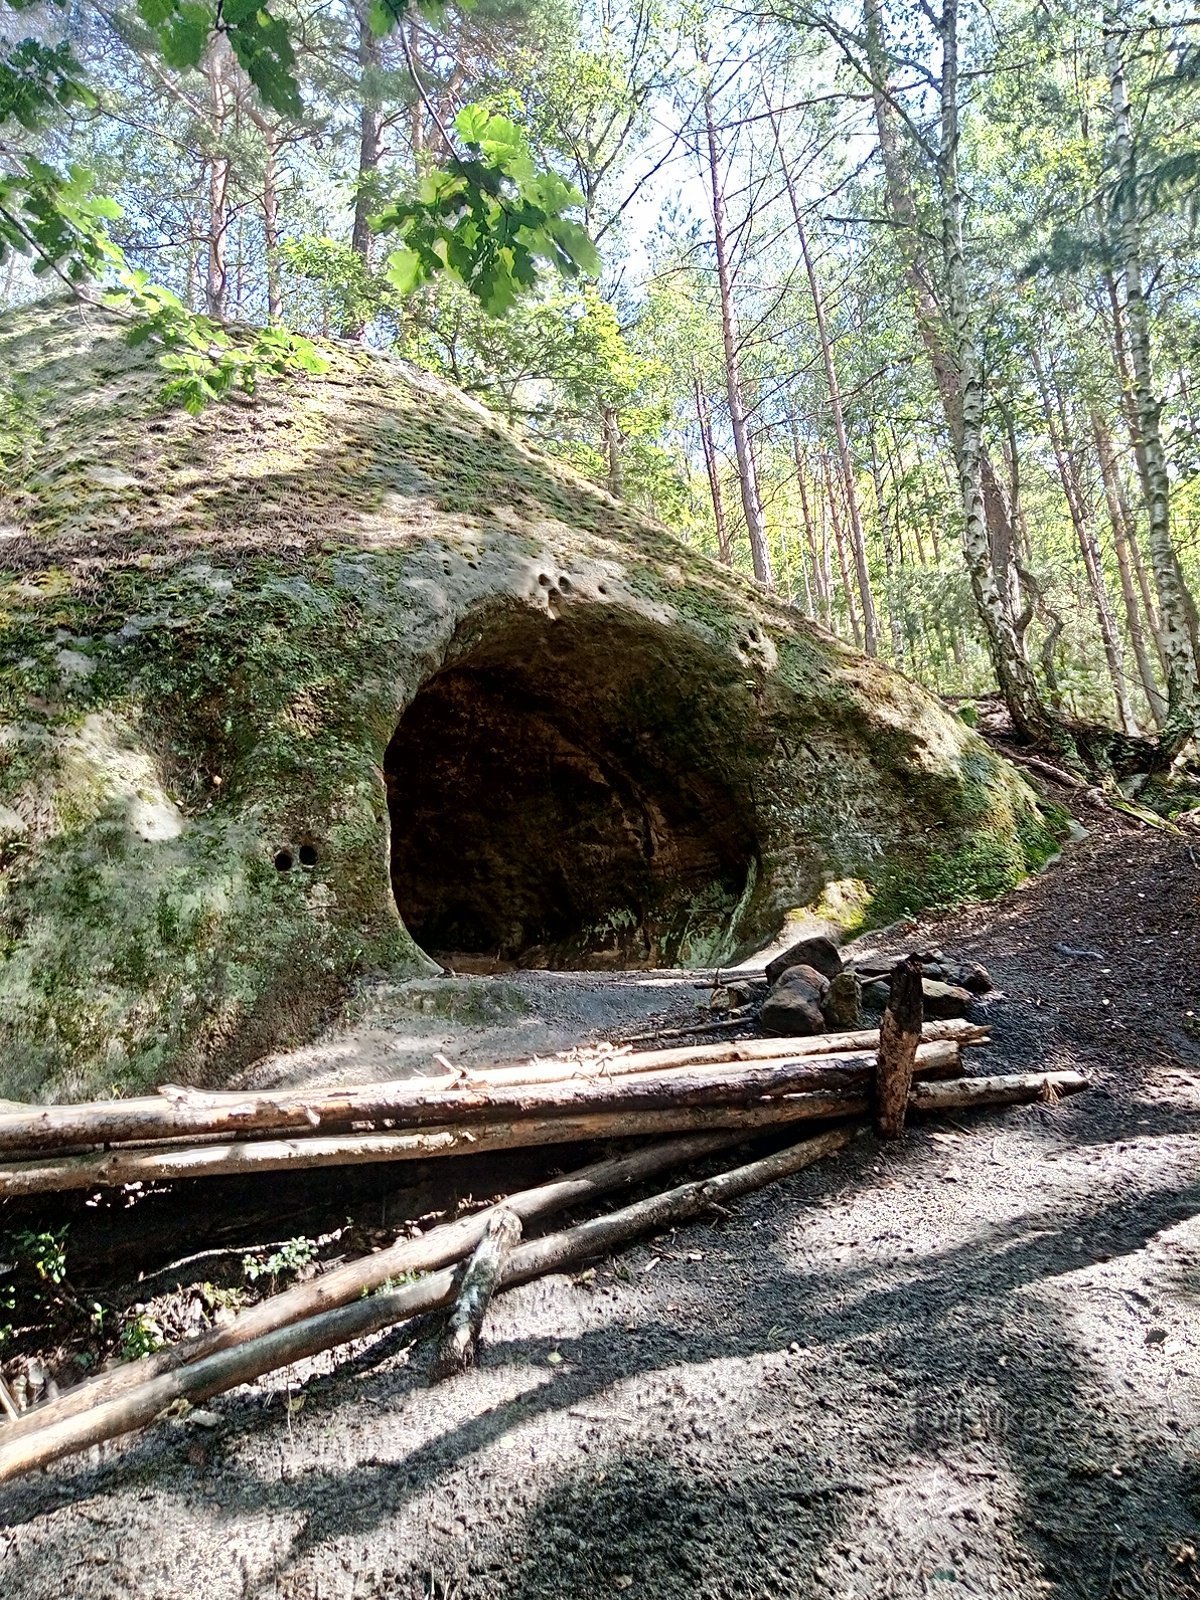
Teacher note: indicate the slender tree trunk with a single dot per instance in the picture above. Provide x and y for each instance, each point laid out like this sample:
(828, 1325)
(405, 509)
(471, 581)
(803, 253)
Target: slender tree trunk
(369, 150)
(843, 564)
(712, 467)
(817, 588)
(612, 452)
(271, 224)
(889, 557)
(1004, 637)
(756, 527)
(1177, 611)
(217, 71)
(858, 543)
(1085, 533)
(1118, 521)
(952, 343)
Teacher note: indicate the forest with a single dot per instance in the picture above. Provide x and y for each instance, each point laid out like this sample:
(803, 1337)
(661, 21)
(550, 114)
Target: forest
(891, 307)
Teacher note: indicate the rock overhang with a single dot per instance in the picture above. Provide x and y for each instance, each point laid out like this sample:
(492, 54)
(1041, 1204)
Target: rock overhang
(256, 623)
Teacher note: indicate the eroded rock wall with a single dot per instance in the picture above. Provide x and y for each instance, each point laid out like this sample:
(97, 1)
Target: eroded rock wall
(240, 652)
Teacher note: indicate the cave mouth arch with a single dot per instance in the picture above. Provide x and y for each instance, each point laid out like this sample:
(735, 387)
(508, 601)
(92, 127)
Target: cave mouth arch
(560, 797)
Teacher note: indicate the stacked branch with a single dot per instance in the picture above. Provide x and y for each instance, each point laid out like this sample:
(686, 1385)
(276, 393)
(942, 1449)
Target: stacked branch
(641, 1096)
(340, 1307)
(704, 1099)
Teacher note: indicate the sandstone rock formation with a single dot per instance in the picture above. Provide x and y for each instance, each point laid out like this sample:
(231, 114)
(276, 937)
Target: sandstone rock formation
(328, 678)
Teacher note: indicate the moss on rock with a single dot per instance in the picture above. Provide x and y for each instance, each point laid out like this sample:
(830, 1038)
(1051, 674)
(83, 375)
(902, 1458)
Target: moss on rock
(212, 627)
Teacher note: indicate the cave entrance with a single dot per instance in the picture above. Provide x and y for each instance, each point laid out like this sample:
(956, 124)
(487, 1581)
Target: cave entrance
(556, 800)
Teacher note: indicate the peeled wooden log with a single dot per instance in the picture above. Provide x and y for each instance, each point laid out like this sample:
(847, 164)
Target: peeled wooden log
(274, 1155)
(444, 1244)
(1016, 1088)
(51, 1423)
(480, 1280)
(718, 1106)
(176, 1113)
(213, 1374)
(704, 1083)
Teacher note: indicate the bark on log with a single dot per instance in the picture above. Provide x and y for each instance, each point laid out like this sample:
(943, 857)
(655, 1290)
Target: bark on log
(899, 1036)
(1007, 1089)
(717, 1107)
(480, 1280)
(442, 1245)
(174, 1112)
(200, 1380)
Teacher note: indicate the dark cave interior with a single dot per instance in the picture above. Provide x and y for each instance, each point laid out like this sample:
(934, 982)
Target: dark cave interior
(559, 797)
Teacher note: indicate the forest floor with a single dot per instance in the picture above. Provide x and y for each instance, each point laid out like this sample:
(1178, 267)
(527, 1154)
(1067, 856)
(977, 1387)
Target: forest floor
(968, 1363)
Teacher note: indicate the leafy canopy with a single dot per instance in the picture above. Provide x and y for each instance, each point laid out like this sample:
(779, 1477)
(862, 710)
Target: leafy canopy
(489, 218)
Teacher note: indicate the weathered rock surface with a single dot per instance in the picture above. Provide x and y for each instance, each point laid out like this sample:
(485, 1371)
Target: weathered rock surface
(972, 976)
(253, 659)
(945, 999)
(794, 1005)
(842, 1005)
(819, 952)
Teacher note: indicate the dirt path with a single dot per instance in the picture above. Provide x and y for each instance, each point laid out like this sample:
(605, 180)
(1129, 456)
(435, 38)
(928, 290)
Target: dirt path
(968, 1364)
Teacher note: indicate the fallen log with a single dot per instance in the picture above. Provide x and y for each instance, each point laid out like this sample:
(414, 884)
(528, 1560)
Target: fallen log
(1010, 1089)
(717, 1106)
(306, 1305)
(703, 1083)
(480, 1280)
(444, 1244)
(213, 1374)
(899, 1035)
(176, 1113)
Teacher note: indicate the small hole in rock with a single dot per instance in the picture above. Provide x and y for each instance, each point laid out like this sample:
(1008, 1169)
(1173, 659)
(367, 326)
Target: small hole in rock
(283, 860)
(308, 855)
(544, 580)
(565, 585)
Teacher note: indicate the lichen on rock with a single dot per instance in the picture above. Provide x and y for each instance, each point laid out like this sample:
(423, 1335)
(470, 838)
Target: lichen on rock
(279, 677)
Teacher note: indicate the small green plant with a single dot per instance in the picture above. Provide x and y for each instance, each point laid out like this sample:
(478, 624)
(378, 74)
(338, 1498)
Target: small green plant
(400, 1281)
(32, 1265)
(140, 1336)
(44, 1254)
(288, 1258)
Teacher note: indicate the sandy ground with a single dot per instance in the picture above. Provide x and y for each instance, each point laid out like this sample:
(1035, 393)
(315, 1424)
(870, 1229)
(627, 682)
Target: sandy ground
(968, 1363)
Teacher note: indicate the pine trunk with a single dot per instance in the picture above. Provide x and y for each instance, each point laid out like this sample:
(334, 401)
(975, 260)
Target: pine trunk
(1118, 516)
(756, 527)
(951, 341)
(1068, 474)
(713, 468)
(858, 543)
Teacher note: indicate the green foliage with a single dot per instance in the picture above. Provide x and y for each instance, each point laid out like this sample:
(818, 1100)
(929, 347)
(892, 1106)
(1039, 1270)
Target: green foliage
(260, 41)
(141, 1335)
(349, 295)
(57, 220)
(44, 1252)
(33, 1266)
(488, 219)
(36, 78)
(286, 1261)
(204, 358)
